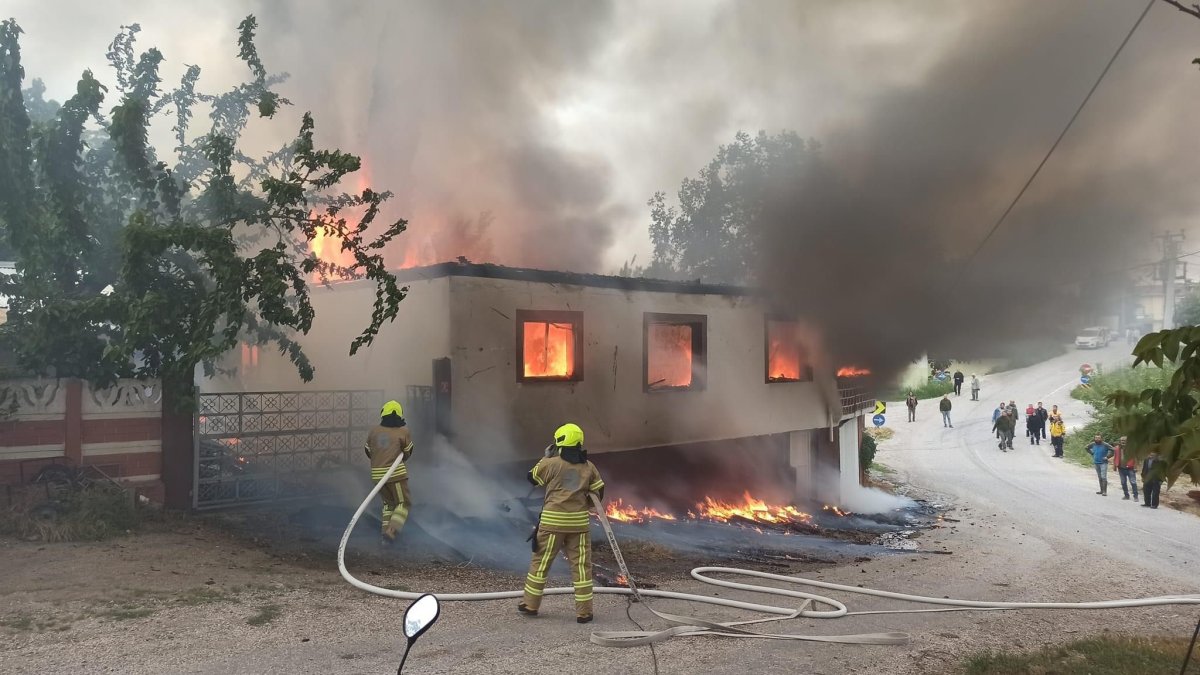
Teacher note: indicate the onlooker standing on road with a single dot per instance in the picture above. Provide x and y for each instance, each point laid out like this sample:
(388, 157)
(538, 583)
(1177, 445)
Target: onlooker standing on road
(974, 387)
(958, 380)
(1044, 416)
(1033, 425)
(1151, 481)
(1058, 431)
(997, 414)
(1126, 467)
(911, 402)
(1003, 426)
(1101, 452)
(944, 406)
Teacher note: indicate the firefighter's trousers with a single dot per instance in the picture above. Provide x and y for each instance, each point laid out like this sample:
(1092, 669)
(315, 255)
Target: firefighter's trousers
(578, 548)
(396, 503)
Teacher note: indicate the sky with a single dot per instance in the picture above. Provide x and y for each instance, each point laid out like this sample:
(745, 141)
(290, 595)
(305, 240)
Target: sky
(560, 119)
(533, 133)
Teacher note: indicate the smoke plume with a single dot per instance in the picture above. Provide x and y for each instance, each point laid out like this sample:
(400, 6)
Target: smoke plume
(448, 103)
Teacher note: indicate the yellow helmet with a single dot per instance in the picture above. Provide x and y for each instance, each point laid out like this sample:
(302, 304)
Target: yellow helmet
(392, 408)
(568, 435)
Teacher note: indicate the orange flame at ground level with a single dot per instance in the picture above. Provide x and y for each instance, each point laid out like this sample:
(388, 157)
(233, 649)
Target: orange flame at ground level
(621, 512)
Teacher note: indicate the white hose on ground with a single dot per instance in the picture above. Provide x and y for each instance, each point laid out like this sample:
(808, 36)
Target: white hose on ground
(696, 626)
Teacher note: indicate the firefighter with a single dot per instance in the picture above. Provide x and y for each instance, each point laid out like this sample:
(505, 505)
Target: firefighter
(569, 478)
(385, 442)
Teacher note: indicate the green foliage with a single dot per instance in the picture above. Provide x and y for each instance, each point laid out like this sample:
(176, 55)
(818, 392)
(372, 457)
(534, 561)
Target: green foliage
(866, 451)
(931, 389)
(1104, 417)
(714, 232)
(1165, 418)
(132, 267)
(1108, 655)
(1187, 311)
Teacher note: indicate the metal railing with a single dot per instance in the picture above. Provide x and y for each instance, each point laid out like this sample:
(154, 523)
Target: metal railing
(262, 446)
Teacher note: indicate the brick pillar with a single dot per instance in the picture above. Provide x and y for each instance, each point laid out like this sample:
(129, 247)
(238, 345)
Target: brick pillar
(178, 451)
(73, 422)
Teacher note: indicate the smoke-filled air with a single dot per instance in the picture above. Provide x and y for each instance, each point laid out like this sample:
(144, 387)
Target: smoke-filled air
(533, 134)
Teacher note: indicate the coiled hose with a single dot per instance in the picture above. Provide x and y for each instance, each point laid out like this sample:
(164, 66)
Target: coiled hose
(687, 625)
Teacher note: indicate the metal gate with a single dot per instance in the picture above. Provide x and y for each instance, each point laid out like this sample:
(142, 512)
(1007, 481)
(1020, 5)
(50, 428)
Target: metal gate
(262, 446)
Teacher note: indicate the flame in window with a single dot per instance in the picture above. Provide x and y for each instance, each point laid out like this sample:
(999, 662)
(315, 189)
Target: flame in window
(669, 355)
(785, 354)
(549, 349)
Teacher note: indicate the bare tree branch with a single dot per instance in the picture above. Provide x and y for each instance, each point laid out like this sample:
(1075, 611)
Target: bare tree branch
(1194, 10)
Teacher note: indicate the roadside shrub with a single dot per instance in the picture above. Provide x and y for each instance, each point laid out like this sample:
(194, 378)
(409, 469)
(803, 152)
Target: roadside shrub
(1129, 379)
(97, 513)
(866, 451)
(931, 389)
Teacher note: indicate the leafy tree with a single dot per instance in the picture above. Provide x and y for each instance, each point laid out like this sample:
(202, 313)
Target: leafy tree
(1187, 312)
(714, 232)
(132, 267)
(1165, 419)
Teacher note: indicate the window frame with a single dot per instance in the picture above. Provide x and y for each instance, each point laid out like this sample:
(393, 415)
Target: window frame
(806, 374)
(699, 323)
(548, 316)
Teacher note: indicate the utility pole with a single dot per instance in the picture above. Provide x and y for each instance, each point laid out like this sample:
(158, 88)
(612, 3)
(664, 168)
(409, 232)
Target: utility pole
(1170, 262)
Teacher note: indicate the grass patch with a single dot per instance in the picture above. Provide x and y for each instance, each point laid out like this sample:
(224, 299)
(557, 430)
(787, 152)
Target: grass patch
(21, 622)
(1129, 379)
(266, 614)
(127, 613)
(94, 514)
(931, 389)
(203, 595)
(1095, 656)
(880, 433)
(881, 468)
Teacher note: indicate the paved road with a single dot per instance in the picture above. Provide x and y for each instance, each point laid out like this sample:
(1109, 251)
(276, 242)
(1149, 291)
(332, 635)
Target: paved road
(1057, 501)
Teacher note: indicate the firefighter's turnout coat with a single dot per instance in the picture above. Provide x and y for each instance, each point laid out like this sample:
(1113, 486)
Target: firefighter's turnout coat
(384, 444)
(563, 526)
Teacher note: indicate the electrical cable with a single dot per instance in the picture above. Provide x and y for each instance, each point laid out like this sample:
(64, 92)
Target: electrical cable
(1067, 128)
(810, 605)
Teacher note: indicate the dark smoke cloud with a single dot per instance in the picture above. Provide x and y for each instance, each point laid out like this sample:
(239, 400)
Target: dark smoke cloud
(448, 103)
(876, 248)
(931, 114)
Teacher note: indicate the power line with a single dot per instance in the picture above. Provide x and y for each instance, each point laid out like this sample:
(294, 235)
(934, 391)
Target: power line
(1064, 133)
(1159, 262)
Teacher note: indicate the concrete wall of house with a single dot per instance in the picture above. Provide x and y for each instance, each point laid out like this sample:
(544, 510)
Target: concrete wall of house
(402, 354)
(495, 415)
(117, 430)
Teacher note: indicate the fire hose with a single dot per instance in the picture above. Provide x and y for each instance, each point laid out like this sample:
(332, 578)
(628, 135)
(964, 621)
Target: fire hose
(687, 625)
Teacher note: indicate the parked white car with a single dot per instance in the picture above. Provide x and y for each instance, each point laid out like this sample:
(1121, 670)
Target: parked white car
(1092, 338)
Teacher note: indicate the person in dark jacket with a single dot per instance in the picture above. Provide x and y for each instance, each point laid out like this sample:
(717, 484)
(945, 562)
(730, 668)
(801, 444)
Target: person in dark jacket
(1003, 426)
(958, 382)
(1045, 417)
(911, 403)
(944, 405)
(1151, 480)
(1033, 425)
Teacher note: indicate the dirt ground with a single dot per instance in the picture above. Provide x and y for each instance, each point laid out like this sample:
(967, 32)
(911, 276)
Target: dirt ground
(191, 597)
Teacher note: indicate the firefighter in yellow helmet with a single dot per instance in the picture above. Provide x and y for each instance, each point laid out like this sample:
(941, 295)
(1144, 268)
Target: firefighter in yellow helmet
(386, 442)
(568, 477)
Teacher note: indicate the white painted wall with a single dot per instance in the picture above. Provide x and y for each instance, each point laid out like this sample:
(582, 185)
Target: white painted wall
(472, 320)
(848, 454)
(490, 406)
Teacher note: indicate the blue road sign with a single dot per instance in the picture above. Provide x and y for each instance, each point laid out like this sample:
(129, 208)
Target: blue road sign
(878, 420)
(941, 376)
(1085, 379)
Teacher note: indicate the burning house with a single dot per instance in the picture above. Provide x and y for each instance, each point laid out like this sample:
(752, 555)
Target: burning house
(692, 381)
